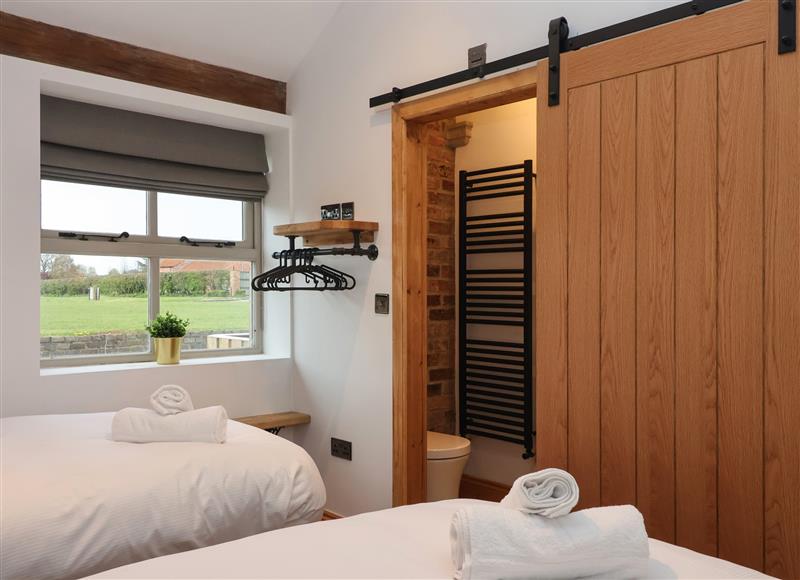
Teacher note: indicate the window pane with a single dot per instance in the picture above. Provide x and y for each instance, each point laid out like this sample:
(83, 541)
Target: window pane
(92, 305)
(75, 207)
(214, 295)
(203, 218)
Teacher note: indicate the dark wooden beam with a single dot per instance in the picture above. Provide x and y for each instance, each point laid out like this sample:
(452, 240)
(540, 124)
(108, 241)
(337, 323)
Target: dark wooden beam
(32, 40)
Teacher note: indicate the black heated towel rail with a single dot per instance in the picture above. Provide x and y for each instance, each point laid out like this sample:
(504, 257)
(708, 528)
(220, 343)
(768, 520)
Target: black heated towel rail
(496, 376)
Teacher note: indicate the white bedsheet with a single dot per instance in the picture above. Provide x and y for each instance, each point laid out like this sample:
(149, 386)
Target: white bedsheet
(75, 503)
(406, 542)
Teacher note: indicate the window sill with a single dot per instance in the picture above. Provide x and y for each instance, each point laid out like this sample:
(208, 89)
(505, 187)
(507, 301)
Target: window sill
(106, 368)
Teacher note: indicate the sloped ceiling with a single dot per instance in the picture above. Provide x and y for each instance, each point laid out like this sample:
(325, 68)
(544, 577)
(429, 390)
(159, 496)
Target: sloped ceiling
(268, 39)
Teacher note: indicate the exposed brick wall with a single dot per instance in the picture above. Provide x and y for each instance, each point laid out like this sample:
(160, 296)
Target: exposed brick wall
(441, 281)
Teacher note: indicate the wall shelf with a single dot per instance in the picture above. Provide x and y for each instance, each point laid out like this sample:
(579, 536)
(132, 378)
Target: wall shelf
(274, 422)
(328, 232)
(318, 277)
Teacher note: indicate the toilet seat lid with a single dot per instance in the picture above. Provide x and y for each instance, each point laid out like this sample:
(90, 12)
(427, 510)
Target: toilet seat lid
(444, 446)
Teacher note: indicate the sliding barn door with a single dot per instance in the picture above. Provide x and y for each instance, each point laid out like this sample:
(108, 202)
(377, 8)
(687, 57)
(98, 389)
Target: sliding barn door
(668, 282)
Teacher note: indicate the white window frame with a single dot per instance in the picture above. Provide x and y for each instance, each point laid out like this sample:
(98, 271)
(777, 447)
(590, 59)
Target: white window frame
(154, 247)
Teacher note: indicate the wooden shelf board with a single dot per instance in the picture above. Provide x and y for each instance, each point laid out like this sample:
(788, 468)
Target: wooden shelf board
(275, 420)
(328, 232)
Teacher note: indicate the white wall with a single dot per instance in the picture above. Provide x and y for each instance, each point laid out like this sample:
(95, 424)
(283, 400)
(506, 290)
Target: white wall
(500, 136)
(342, 152)
(252, 385)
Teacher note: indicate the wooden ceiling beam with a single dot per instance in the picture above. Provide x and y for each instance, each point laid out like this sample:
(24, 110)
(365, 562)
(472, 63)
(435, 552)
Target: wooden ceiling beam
(32, 40)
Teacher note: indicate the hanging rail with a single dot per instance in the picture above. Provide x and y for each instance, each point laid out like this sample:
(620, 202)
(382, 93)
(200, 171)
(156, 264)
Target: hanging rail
(651, 20)
(371, 251)
(300, 261)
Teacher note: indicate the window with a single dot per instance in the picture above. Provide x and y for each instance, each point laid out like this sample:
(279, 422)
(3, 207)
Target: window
(214, 295)
(200, 217)
(89, 208)
(93, 305)
(98, 294)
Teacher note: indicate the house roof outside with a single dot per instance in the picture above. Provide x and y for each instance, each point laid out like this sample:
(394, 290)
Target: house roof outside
(181, 265)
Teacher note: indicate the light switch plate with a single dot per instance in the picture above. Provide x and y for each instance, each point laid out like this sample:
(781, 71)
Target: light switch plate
(341, 448)
(381, 304)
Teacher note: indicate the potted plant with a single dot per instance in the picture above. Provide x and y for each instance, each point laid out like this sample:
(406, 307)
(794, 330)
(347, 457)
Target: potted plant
(167, 331)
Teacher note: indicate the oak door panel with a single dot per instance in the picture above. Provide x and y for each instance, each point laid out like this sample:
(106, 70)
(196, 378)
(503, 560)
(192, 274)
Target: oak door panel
(782, 310)
(551, 282)
(618, 292)
(655, 268)
(741, 250)
(584, 292)
(698, 287)
(696, 304)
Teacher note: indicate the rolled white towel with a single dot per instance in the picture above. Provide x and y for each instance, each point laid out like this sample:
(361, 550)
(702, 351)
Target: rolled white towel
(171, 399)
(550, 493)
(206, 425)
(489, 541)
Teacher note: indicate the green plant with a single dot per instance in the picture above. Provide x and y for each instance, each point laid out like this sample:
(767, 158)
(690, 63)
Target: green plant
(167, 326)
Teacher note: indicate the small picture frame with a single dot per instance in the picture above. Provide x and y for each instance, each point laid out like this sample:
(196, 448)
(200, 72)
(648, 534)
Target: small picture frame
(349, 210)
(332, 211)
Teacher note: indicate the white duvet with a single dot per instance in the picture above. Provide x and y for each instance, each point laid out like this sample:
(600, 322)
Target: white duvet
(406, 542)
(75, 503)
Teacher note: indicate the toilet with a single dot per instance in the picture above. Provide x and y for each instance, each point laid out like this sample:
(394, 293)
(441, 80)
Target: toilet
(447, 456)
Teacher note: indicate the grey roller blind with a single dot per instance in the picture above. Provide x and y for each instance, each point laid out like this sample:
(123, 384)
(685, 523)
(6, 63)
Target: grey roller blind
(101, 145)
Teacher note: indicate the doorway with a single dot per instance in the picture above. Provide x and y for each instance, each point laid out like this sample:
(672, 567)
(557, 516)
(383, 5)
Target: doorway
(412, 124)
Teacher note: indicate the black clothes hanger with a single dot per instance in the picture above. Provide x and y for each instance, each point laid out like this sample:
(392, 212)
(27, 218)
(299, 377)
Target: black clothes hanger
(300, 262)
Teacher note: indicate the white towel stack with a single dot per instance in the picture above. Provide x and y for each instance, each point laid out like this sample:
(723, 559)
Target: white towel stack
(172, 419)
(495, 542)
(171, 399)
(550, 493)
(532, 534)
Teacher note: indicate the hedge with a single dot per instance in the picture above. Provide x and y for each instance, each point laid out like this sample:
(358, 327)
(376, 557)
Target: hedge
(213, 283)
(67, 286)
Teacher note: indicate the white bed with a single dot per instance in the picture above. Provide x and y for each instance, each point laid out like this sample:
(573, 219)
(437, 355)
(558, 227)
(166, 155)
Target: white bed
(75, 503)
(406, 542)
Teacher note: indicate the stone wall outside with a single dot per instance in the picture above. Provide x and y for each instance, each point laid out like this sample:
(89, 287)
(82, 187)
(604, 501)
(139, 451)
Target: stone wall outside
(116, 343)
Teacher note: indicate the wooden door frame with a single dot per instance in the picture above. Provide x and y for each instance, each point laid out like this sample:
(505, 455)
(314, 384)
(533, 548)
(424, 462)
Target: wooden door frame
(409, 261)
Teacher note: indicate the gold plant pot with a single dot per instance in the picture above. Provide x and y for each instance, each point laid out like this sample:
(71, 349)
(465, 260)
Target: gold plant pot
(168, 350)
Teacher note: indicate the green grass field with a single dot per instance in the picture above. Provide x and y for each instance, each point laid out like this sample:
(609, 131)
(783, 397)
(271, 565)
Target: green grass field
(77, 315)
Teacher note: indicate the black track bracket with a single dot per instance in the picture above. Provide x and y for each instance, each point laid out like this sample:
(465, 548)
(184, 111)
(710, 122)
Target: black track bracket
(787, 26)
(557, 34)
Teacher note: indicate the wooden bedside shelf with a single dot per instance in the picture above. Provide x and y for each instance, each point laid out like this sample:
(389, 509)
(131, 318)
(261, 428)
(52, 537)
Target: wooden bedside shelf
(274, 422)
(328, 232)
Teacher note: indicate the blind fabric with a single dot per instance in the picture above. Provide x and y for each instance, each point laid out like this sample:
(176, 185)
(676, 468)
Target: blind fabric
(101, 145)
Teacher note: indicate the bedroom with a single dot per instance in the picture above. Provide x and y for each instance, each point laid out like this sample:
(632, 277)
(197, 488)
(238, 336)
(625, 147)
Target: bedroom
(355, 372)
